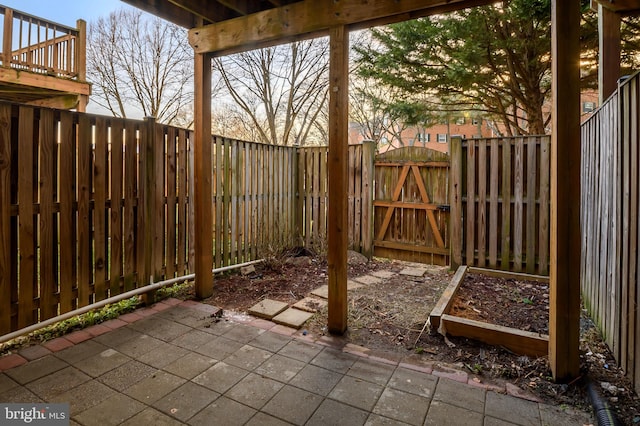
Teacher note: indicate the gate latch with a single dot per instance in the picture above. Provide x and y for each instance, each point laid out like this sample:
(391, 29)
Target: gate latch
(444, 207)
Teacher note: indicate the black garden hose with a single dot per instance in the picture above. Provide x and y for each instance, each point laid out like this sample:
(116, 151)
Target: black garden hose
(604, 414)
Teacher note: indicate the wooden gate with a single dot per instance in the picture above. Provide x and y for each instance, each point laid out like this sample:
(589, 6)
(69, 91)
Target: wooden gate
(411, 210)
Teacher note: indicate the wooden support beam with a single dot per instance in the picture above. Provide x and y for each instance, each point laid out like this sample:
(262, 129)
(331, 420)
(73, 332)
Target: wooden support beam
(564, 291)
(203, 221)
(311, 18)
(337, 226)
(41, 81)
(609, 57)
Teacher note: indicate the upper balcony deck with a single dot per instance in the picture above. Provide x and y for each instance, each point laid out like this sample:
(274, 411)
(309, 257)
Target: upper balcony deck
(42, 62)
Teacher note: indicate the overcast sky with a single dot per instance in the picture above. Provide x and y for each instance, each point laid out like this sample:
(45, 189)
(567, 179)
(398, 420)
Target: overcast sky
(66, 12)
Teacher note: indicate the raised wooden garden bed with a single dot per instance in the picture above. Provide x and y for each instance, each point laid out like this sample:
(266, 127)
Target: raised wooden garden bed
(444, 320)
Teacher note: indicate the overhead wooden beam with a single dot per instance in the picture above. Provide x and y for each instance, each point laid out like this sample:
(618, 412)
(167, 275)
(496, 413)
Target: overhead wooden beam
(311, 18)
(619, 6)
(338, 160)
(31, 79)
(203, 211)
(609, 52)
(207, 10)
(564, 289)
(166, 10)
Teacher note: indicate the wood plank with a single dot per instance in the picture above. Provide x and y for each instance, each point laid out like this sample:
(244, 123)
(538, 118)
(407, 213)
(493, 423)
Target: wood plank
(507, 175)
(455, 194)
(159, 204)
(564, 308)
(425, 197)
(115, 226)
(219, 201)
(47, 230)
(532, 167)
(202, 175)
(518, 193)
(6, 265)
(481, 221)
(171, 189)
(234, 192)
(447, 296)
(394, 197)
(129, 217)
(471, 203)
(247, 168)
(398, 245)
(337, 234)
(518, 341)
(182, 194)
(633, 344)
(509, 274)
(494, 169)
(67, 196)
(368, 156)
(626, 195)
(27, 234)
(85, 165)
(100, 230)
(225, 254)
(543, 197)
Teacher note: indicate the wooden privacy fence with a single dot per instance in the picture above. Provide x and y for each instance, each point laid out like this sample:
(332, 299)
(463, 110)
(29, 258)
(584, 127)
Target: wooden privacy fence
(500, 203)
(609, 222)
(90, 207)
(311, 213)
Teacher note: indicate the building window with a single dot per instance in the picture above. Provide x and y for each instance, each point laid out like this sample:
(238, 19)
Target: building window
(588, 106)
(476, 121)
(460, 120)
(424, 137)
(442, 137)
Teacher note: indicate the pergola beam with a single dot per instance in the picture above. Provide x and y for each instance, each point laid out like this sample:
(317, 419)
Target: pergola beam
(311, 18)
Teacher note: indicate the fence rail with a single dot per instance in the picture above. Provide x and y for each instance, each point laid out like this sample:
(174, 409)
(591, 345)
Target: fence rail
(500, 203)
(609, 221)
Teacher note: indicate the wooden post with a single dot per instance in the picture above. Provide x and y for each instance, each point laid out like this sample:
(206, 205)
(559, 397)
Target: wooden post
(203, 220)
(7, 38)
(337, 232)
(455, 193)
(81, 61)
(564, 291)
(368, 166)
(609, 49)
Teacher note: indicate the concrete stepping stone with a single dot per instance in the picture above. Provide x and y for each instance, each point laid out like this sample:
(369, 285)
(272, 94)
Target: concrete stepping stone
(322, 292)
(413, 272)
(383, 274)
(293, 318)
(267, 308)
(310, 304)
(368, 279)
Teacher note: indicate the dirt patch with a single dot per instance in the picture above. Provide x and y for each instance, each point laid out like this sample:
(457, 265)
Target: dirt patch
(389, 316)
(508, 302)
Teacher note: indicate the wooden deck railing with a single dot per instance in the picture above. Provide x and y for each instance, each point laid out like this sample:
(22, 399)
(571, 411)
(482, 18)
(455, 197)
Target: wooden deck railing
(34, 44)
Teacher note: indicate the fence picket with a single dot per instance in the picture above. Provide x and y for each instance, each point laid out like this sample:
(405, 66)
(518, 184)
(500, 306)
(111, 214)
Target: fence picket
(6, 228)
(67, 185)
